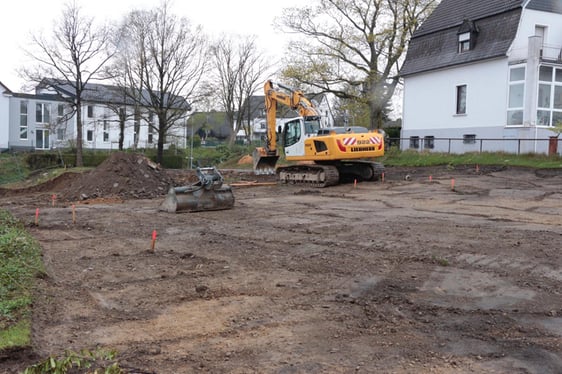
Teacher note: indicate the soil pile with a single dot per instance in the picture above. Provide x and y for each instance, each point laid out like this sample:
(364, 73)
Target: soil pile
(121, 175)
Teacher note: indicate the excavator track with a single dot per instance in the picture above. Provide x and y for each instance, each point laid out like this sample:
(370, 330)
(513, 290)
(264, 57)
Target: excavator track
(310, 175)
(360, 170)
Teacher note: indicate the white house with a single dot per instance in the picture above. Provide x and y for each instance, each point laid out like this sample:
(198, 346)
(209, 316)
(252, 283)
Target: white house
(485, 75)
(45, 120)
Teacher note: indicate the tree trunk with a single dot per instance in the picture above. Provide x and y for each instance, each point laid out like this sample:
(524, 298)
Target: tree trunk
(122, 120)
(376, 115)
(161, 139)
(79, 136)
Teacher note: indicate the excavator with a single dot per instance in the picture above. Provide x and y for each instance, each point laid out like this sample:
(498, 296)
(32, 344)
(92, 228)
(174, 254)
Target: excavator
(324, 156)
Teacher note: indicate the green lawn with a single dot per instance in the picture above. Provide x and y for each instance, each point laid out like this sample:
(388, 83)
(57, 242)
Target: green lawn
(21, 262)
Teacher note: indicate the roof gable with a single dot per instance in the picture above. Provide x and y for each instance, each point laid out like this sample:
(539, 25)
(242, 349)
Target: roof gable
(4, 89)
(452, 13)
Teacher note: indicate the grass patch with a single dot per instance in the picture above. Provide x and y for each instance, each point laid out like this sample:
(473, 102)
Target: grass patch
(12, 169)
(21, 262)
(395, 157)
(17, 335)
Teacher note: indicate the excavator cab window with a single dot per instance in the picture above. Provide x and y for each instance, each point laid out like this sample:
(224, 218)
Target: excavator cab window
(311, 125)
(292, 133)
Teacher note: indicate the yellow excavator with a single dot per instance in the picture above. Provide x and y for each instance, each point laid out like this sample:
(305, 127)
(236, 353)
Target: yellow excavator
(325, 156)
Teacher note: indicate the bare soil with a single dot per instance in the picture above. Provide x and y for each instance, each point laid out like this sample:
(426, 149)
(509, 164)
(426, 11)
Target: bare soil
(432, 270)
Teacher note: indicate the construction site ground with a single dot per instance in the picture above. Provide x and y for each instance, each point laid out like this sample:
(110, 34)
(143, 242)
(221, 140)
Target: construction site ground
(432, 270)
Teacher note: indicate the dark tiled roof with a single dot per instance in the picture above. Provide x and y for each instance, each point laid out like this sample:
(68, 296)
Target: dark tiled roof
(434, 45)
(105, 94)
(452, 13)
(439, 50)
(552, 6)
(42, 97)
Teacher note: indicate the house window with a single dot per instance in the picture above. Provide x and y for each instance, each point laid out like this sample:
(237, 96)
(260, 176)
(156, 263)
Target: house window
(516, 96)
(540, 31)
(90, 135)
(464, 42)
(105, 130)
(42, 139)
(549, 99)
(23, 120)
(61, 132)
(414, 142)
(60, 112)
(42, 113)
(469, 139)
(429, 142)
(90, 111)
(461, 99)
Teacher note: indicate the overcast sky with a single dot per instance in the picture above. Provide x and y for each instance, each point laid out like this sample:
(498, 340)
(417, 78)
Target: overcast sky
(242, 17)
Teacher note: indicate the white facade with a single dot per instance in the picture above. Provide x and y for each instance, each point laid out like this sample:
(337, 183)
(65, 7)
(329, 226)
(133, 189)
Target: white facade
(42, 122)
(485, 84)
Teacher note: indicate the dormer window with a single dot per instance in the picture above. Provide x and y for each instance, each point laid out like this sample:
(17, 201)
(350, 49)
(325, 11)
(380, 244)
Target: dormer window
(464, 42)
(467, 36)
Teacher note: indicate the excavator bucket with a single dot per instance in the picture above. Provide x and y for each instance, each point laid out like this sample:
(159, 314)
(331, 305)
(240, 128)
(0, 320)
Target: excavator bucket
(264, 162)
(208, 194)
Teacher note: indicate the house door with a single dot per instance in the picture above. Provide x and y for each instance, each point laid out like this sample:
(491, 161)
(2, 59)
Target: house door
(42, 139)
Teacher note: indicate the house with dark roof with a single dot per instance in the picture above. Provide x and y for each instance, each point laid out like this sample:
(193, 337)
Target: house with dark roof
(484, 75)
(45, 120)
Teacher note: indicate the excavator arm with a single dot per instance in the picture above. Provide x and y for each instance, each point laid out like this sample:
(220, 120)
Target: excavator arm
(266, 157)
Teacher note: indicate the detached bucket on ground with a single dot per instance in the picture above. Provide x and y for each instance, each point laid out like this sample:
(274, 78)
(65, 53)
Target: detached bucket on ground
(208, 194)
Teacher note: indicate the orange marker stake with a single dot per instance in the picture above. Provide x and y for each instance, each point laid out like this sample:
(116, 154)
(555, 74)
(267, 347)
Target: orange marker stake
(53, 199)
(382, 177)
(153, 240)
(355, 183)
(430, 178)
(73, 214)
(453, 184)
(37, 217)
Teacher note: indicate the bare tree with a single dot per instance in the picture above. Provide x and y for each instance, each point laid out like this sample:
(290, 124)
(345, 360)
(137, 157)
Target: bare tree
(73, 55)
(353, 48)
(240, 69)
(163, 59)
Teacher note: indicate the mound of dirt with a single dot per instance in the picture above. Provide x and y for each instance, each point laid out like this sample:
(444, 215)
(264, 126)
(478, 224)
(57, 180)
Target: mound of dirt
(122, 175)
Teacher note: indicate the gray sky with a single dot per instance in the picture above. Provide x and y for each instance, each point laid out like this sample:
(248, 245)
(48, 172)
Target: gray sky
(242, 17)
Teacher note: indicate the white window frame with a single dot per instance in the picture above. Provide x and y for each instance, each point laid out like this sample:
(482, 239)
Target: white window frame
(461, 97)
(43, 115)
(24, 120)
(464, 42)
(520, 83)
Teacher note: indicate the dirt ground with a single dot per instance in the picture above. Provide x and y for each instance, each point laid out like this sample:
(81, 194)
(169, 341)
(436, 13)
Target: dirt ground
(432, 270)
